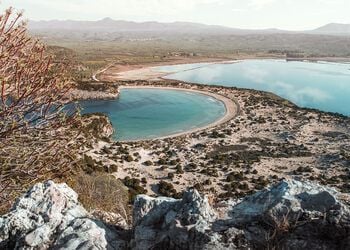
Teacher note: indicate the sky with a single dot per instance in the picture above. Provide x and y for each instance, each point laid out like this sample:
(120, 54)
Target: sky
(250, 14)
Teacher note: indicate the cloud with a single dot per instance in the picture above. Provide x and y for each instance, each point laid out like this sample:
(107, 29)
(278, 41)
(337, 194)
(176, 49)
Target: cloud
(259, 4)
(112, 8)
(239, 10)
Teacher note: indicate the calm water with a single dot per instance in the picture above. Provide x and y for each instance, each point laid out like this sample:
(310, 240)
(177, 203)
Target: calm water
(150, 113)
(325, 86)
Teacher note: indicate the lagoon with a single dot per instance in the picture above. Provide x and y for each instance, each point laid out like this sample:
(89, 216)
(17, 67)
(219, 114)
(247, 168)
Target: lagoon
(140, 114)
(323, 85)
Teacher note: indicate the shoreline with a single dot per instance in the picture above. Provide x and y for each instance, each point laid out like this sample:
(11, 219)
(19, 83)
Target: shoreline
(261, 143)
(147, 72)
(118, 69)
(231, 110)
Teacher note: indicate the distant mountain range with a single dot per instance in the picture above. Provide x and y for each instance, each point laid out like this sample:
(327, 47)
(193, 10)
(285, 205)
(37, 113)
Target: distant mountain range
(108, 25)
(112, 26)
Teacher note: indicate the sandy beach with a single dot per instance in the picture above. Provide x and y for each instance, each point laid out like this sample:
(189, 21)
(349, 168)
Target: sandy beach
(147, 71)
(150, 72)
(232, 108)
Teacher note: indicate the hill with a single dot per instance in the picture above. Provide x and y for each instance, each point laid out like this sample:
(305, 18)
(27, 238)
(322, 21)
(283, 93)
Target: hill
(333, 29)
(109, 25)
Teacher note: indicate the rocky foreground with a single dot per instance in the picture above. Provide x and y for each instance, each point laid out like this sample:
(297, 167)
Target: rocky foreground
(289, 215)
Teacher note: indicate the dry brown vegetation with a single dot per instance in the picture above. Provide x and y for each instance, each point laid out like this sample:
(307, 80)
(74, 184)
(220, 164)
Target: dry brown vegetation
(102, 192)
(36, 137)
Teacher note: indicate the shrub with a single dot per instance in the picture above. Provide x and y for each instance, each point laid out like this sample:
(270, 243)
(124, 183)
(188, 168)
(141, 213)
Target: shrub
(179, 169)
(162, 162)
(207, 182)
(167, 189)
(243, 186)
(173, 162)
(235, 177)
(198, 186)
(38, 130)
(101, 192)
(129, 158)
(134, 188)
(148, 163)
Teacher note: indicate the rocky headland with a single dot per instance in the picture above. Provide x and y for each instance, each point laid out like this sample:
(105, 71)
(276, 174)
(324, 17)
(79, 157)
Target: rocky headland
(94, 91)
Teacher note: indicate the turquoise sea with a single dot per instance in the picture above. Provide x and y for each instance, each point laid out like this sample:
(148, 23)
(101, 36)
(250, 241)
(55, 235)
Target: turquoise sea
(150, 113)
(322, 85)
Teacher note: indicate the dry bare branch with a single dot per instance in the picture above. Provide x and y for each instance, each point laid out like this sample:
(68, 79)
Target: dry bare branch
(38, 135)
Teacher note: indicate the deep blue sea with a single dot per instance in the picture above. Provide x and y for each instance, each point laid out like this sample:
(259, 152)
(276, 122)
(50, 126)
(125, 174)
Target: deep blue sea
(322, 85)
(150, 113)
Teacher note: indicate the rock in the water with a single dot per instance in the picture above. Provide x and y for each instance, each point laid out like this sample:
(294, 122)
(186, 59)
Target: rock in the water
(49, 216)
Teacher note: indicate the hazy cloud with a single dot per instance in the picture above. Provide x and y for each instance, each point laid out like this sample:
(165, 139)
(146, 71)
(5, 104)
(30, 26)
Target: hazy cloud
(258, 4)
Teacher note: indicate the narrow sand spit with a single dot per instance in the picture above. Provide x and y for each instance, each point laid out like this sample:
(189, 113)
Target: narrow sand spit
(232, 108)
(147, 71)
(150, 73)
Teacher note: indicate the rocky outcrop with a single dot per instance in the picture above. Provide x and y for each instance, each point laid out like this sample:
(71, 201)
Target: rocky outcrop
(97, 125)
(78, 94)
(165, 223)
(50, 216)
(95, 91)
(290, 215)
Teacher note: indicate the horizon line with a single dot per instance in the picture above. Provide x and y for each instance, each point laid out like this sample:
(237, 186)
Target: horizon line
(174, 22)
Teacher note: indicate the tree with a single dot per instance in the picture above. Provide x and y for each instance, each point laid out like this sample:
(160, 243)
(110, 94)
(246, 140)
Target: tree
(38, 121)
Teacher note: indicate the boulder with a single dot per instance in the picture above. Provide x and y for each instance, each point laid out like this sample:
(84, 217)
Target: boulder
(293, 215)
(289, 215)
(50, 216)
(166, 223)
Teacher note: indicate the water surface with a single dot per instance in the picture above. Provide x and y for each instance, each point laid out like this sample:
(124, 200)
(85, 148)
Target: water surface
(324, 86)
(151, 113)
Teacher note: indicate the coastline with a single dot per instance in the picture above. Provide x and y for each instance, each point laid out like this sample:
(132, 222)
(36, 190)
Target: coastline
(232, 109)
(269, 141)
(121, 71)
(147, 72)
(272, 139)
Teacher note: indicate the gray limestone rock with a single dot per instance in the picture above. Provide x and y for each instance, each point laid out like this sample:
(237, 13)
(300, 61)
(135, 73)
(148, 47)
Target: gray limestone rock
(49, 215)
(289, 215)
